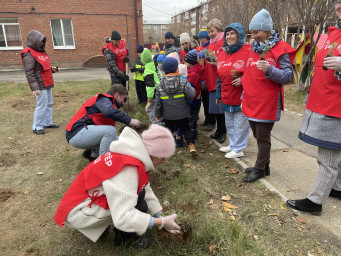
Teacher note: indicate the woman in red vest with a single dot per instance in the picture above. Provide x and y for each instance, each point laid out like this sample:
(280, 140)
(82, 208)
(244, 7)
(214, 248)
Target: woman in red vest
(115, 189)
(216, 32)
(269, 67)
(116, 55)
(39, 76)
(230, 66)
(322, 122)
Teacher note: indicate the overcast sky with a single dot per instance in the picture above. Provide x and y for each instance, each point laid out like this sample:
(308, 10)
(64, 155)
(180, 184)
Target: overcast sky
(161, 11)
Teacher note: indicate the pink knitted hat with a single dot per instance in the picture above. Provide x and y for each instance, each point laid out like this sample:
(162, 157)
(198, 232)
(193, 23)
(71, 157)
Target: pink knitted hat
(158, 141)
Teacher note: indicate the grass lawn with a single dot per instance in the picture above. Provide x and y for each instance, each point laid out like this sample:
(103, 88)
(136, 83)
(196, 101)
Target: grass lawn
(37, 170)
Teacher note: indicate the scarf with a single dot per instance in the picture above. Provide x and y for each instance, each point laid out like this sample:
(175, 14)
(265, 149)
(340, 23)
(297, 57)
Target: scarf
(338, 23)
(229, 49)
(217, 38)
(268, 44)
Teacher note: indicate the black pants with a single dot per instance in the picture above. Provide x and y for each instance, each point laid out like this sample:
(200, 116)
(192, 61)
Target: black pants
(221, 126)
(117, 80)
(210, 118)
(262, 133)
(183, 126)
(121, 236)
(141, 91)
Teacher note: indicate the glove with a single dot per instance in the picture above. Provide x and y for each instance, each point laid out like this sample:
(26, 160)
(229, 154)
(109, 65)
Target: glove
(141, 70)
(201, 55)
(168, 223)
(135, 122)
(126, 59)
(133, 70)
(125, 77)
(108, 40)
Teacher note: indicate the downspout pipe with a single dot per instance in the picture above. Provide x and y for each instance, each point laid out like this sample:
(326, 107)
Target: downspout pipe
(136, 23)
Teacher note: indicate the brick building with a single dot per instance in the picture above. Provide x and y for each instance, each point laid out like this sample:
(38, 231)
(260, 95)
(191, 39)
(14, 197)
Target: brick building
(75, 29)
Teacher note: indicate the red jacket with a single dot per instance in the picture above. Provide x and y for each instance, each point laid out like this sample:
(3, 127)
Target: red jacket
(105, 167)
(97, 118)
(195, 77)
(211, 70)
(260, 96)
(43, 60)
(230, 67)
(325, 90)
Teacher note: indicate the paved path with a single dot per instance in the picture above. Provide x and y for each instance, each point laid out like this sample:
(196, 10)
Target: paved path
(293, 162)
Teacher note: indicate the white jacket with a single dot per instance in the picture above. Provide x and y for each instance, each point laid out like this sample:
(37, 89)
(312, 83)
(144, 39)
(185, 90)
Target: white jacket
(120, 191)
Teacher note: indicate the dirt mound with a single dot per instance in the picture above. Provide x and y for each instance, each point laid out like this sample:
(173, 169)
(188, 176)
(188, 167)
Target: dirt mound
(6, 194)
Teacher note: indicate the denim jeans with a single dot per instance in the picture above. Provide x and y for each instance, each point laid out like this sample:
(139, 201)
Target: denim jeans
(151, 111)
(97, 138)
(43, 112)
(238, 129)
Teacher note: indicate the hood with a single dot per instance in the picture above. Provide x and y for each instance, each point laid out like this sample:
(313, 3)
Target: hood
(34, 39)
(197, 68)
(130, 143)
(170, 83)
(240, 30)
(146, 57)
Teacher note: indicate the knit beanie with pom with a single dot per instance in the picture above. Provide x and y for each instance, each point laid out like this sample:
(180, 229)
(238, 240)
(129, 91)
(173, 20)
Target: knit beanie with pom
(158, 141)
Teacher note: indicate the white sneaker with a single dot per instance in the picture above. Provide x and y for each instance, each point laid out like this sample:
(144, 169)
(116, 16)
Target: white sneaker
(225, 149)
(233, 154)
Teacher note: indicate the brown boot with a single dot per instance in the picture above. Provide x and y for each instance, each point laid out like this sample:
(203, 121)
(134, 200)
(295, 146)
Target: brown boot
(192, 149)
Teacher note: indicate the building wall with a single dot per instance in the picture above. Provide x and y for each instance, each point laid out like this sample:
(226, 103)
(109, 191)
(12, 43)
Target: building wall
(92, 22)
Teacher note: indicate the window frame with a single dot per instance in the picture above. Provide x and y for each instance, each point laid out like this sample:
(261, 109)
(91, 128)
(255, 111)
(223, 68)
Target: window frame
(64, 47)
(11, 48)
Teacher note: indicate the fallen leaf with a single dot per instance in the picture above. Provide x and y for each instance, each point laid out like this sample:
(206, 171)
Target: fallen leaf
(166, 203)
(273, 214)
(234, 213)
(213, 247)
(233, 171)
(211, 154)
(196, 212)
(210, 202)
(232, 218)
(173, 193)
(180, 152)
(40, 173)
(43, 225)
(60, 180)
(187, 165)
(282, 207)
(226, 209)
(226, 198)
(301, 219)
(239, 185)
(229, 205)
(255, 237)
(285, 150)
(202, 151)
(25, 192)
(226, 166)
(266, 189)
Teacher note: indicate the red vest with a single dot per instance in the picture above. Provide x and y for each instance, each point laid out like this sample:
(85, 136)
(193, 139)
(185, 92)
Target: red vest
(325, 90)
(97, 118)
(211, 70)
(260, 96)
(104, 167)
(43, 60)
(182, 55)
(230, 67)
(120, 53)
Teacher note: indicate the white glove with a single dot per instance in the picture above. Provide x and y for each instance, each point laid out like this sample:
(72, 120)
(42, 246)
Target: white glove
(168, 223)
(333, 63)
(135, 122)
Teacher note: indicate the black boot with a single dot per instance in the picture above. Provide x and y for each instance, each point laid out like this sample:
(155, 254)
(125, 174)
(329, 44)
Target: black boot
(254, 175)
(266, 170)
(215, 135)
(87, 154)
(335, 193)
(222, 137)
(305, 205)
(131, 239)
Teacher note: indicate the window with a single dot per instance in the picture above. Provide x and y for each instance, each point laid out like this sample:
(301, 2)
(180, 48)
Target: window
(10, 36)
(193, 18)
(62, 34)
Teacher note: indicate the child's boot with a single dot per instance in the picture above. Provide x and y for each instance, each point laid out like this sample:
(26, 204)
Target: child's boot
(192, 149)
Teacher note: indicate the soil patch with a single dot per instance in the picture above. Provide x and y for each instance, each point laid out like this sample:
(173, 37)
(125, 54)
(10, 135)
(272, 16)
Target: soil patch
(7, 159)
(6, 194)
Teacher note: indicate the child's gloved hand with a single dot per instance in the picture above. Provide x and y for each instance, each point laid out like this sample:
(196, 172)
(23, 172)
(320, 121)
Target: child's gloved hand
(201, 55)
(168, 223)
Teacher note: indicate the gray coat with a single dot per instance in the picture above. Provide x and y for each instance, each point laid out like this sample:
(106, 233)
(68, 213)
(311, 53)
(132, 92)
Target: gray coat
(321, 130)
(171, 97)
(31, 66)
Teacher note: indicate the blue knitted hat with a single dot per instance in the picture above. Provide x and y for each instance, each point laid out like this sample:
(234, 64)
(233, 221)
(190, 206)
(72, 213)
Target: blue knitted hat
(169, 35)
(203, 34)
(191, 57)
(261, 21)
(160, 58)
(140, 48)
(169, 65)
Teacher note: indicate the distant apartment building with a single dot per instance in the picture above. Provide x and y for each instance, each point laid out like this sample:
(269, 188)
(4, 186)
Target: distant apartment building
(154, 32)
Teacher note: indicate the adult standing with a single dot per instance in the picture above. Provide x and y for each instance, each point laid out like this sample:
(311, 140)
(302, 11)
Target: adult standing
(209, 121)
(138, 70)
(216, 32)
(115, 189)
(39, 76)
(172, 44)
(322, 122)
(269, 67)
(230, 67)
(116, 55)
(93, 126)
